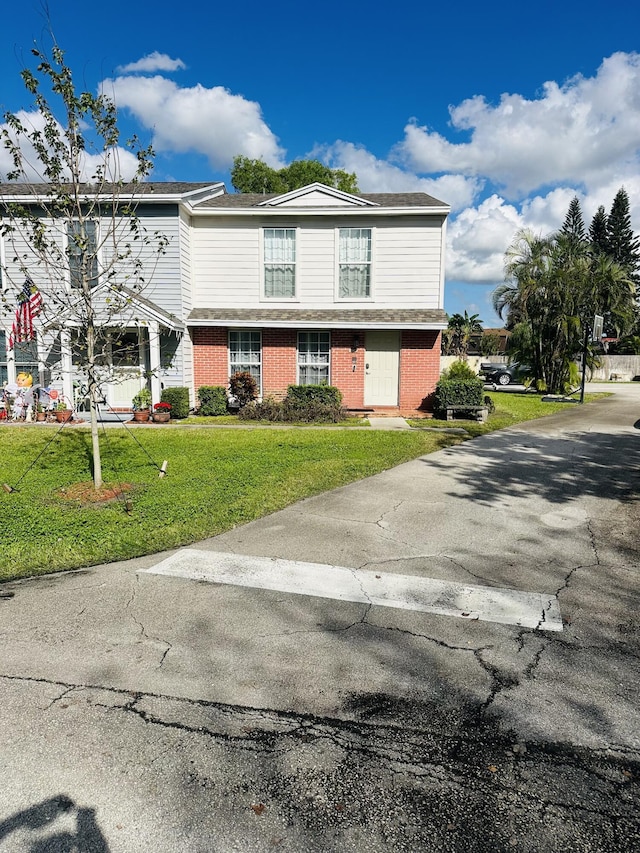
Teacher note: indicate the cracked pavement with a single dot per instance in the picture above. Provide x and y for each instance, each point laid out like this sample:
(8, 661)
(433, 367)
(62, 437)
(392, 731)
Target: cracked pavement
(150, 713)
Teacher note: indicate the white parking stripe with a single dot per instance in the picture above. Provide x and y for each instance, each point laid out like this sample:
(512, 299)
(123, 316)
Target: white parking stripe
(408, 592)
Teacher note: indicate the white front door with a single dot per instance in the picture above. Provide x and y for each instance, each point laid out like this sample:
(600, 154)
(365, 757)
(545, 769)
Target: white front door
(382, 363)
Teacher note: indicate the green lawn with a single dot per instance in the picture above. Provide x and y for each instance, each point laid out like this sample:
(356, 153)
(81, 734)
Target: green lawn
(216, 479)
(511, 408)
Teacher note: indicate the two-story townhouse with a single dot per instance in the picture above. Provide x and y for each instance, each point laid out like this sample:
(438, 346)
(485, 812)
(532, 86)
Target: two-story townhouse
(312, 286)
(146, 339)
(320, 286)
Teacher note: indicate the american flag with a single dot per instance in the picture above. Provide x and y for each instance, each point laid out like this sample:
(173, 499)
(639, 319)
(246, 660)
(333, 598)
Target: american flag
(29, 306)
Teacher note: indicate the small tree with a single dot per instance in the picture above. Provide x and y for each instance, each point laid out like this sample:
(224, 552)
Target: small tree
(78, 230)
(254, 176)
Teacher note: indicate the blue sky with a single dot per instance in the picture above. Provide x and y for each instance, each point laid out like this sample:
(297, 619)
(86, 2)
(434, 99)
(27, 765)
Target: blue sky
(505, 111)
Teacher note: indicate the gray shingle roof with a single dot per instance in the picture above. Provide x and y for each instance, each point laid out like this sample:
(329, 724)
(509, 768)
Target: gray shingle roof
(144, 188)
(235, 201)
(333, 318)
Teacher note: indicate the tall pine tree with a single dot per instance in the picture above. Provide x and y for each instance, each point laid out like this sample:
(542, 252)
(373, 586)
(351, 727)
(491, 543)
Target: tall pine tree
(573, 226)
(598, 233)
(622, 244)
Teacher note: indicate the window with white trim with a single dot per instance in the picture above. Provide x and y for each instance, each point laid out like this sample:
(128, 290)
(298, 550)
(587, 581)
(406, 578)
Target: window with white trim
(313, 358)
(25, 358)
(82, 248)
(355, 263)
(245, 353)
(280, 263)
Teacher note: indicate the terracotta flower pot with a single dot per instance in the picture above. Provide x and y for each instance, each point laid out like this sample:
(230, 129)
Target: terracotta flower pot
(41, 416)
(141, 417)
(63, 415)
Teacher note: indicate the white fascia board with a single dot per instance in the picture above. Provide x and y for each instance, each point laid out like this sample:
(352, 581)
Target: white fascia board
(309, 212)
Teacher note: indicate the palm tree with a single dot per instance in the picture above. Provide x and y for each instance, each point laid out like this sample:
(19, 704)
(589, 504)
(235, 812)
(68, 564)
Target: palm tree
(553, 288)
(458, 334)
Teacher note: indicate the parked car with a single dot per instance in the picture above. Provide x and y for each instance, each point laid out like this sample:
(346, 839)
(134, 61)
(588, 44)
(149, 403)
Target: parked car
(504, 374)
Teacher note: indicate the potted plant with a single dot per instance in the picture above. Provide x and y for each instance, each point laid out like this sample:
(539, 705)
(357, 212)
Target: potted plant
(161, 413)
(141, 405)
(41, 414)
(63, 412)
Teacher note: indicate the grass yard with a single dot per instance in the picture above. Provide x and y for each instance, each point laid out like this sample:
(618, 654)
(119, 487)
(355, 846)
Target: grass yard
(511, 409)
(216, 479)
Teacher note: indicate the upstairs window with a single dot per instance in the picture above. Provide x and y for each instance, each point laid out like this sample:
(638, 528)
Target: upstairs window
(280, 263)
(355, 263)
(82, 248)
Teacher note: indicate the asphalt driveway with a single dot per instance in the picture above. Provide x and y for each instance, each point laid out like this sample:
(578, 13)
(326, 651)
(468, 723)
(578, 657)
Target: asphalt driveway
(155, 705)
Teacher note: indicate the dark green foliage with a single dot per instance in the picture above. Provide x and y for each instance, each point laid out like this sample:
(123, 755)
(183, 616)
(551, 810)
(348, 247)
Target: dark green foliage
(622, 245)
(179, 400)
(305, 394)
(629, 345)
(573, 226)
(243, 387)
(303, 403)
(213, 400)
(254, 176)
(598, 232)
(458, 392)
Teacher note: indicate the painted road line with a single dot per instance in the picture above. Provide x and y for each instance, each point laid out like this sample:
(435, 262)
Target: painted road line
(407, 592)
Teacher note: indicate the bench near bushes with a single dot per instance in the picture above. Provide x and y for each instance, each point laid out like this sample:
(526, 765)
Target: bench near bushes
(460, 392)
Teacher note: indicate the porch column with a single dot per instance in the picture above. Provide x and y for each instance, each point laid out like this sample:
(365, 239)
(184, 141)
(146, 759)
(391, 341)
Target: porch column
(66, 365)
(154, 360)
(11, 365)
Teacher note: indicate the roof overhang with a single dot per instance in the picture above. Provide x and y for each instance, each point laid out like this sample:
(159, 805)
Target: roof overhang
(375, 319)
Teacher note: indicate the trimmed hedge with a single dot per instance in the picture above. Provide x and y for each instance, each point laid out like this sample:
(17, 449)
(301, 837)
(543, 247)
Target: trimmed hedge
(458, 392)
(328, 395)
(179, 399)
(213, 400)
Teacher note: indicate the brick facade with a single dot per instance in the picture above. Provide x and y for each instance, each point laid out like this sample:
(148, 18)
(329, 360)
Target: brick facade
(419, 363)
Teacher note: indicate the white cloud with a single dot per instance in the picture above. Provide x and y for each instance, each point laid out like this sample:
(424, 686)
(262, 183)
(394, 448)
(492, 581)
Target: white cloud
(213, 122)
(155, 61)
(380, 176)
(477, 240)
(117, 162)
(583, 132)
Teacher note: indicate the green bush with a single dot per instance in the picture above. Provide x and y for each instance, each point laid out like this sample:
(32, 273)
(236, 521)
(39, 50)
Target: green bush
(306, 394)
(303, 403)
(459, 370)
(243, 387)
(179, 400)
(458, 392)
(213, 400)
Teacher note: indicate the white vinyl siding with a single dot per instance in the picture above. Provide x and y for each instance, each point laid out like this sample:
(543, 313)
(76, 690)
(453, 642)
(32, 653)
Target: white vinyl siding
(245, 353)
(406, 263)
(279, 263)
(313, 358)
(355, 263)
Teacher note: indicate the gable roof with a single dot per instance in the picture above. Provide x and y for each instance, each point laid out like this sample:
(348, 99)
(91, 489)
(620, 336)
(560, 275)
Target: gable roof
(342, 202)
